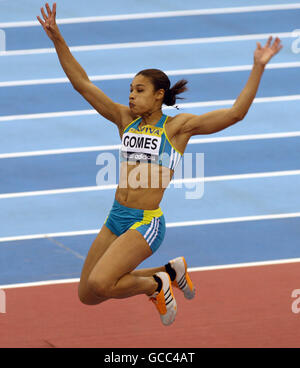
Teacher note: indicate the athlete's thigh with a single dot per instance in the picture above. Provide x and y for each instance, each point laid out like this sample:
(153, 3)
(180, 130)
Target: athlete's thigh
(122, 257)
(99, 246)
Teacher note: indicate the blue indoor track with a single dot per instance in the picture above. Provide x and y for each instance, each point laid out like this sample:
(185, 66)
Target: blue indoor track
(46, 235)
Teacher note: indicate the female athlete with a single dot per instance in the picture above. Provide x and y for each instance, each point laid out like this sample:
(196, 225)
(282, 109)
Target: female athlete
(152, 146)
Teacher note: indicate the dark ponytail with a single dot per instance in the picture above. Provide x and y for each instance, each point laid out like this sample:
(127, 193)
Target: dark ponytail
(171, 93)
(161, 81)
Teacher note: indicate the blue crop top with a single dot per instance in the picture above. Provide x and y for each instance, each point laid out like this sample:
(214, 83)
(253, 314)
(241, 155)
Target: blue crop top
(149, 143)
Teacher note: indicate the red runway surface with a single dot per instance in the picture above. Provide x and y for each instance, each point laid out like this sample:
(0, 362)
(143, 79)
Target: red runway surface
(241, 307)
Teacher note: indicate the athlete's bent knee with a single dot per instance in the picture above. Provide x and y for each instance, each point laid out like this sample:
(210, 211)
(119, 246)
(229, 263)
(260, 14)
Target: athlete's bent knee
(99, 287)
(88, 298)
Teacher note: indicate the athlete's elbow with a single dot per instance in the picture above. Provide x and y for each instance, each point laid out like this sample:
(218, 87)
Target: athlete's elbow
(237, 115)
(80, 85)
(77, 88)
(239, 118)
(235, 119)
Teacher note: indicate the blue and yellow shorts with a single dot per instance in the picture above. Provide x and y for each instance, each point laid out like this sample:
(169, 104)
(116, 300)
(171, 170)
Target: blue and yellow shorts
(150, 223)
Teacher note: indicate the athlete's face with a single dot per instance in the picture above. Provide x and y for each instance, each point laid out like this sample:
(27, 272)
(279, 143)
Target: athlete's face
(143, 98)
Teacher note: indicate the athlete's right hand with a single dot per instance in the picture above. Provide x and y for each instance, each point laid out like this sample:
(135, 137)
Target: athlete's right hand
(49, 23)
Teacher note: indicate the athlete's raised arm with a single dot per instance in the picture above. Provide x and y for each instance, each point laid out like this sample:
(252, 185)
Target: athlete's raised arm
(217, 120)
(76, 74)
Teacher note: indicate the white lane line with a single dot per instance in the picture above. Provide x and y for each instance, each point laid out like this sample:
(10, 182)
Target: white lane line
(125, 45)
(246, 137)
(190, 269)
(61, 151)
(194, 71)
(188, 105)
(58, 191)
(271, 174)
(234, 219)
(50, 115)
(167, 14)
(170, 224)
(242, 265)
(116, 147)
(51, 235)
(40, 283)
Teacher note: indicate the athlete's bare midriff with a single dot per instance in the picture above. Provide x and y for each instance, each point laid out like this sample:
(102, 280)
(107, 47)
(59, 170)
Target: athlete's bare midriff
(142, 185)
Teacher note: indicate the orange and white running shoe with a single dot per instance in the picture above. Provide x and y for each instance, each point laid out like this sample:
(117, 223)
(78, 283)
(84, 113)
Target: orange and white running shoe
(164, 300)
(182, 280)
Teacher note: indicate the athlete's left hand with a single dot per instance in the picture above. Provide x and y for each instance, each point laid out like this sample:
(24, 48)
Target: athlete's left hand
(263, 55)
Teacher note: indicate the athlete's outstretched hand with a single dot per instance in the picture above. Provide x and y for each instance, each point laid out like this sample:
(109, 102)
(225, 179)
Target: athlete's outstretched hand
(263, 55)
(49, 23)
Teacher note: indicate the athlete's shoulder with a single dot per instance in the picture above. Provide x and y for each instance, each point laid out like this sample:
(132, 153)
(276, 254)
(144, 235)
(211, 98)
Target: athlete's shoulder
(180, 117)
(175, 123)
